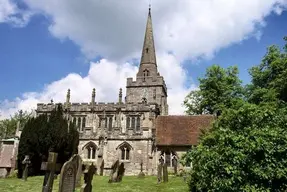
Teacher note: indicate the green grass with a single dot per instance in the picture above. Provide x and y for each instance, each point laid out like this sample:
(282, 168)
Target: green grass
(128, 184)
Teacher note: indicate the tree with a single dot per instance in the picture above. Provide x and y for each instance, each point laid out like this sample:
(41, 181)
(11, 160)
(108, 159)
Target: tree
(8, 126)
(269, 79)
(246, 150)
(219, 89)
(42, 134)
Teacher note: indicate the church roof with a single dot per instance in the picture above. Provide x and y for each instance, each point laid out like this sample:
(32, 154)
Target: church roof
(181, 130)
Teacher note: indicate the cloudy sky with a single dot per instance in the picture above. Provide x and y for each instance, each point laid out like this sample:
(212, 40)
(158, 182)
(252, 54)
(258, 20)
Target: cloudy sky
(48, 46)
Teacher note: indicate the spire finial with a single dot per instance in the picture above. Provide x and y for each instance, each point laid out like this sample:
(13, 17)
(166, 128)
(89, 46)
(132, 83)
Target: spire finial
(120, 95)
(149, 6)
(93, 96)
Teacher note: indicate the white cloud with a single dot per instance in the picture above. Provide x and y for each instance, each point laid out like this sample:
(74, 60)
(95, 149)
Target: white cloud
(115, 30)
(10, 13)
(107, 86)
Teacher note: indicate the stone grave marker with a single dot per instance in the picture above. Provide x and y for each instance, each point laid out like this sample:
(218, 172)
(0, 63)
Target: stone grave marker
(159, 173)
(50, 167)
(121, 172)
(141, 174)
(165, 173)
(114, 172)
(102, 168)
(68, 175)
(175, 166)
(88, 178)
(79, 172)
(26, 162)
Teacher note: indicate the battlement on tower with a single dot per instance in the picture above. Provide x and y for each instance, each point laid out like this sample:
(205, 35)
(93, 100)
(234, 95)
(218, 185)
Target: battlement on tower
(146, 82)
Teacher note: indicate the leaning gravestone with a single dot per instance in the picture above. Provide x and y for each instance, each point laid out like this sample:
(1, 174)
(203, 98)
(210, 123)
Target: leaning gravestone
(159, 173)
(114, 172)
(165, 173)
(121, 172)
(175, 166)
(79, 172)
(50, 167)
(88, 178)
(68, 175)
(26, 163)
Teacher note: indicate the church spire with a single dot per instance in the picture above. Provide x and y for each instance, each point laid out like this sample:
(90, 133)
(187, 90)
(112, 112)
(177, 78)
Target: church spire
(148, 64)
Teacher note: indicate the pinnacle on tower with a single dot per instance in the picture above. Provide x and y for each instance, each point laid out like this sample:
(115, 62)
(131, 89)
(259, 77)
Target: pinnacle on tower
(148, 66)
(93, 96)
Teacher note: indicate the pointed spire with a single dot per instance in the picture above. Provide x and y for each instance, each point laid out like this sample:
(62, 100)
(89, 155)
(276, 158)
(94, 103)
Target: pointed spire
(148, 58)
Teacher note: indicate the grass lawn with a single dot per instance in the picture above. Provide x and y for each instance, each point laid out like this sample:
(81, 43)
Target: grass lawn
(129, 184)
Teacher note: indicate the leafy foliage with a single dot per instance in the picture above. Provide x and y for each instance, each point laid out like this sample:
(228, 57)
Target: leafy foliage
(41, 135)
(220, 88)
(8, 126)
(269, 79)
(245, 150)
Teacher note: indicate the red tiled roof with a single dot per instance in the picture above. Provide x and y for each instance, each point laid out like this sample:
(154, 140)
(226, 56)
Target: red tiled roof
(181, 130)
(6, 155)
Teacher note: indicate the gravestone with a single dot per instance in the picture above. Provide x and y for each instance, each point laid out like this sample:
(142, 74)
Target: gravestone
(26, 162)
(121, 172)
(114, 172)
(50, 167)
(79, 172)
(88, 178)
(159, 173)
(68, 175)
(141, 174)
(165, 173)
(174, 163)
(102, 168)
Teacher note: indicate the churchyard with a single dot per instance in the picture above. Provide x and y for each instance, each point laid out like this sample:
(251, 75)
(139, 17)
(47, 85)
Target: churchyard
(100, 183)
(75, 176)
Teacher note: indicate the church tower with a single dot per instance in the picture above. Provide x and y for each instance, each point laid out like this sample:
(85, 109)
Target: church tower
(149, 87)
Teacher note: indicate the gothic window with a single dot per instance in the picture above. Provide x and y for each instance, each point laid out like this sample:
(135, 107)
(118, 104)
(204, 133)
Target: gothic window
(106, 122)
(100, 122)
(84, 123)
(125, 150)
(79, 122)
(138, 124)
(74, 120)
(133, 122)
(90, 149)
(169, 158)
(110, 123)
(128, 122)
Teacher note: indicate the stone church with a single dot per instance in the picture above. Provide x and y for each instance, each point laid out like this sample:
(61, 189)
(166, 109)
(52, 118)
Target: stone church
(136, 129)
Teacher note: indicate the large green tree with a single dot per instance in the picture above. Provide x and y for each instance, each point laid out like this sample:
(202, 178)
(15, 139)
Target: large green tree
(246, 150)
(269, 79)
(42, 134)
(220, 88)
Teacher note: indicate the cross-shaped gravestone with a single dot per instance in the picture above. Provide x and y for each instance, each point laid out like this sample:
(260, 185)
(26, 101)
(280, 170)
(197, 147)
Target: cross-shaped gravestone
(141, 174)
(50, 167)
(26, 163)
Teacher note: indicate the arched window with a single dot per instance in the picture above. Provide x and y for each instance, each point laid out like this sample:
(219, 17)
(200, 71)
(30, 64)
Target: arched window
(106, 122)
(90, 149)
(125, 151)
(79, 122)
(133, 122)
(74, 120)
(84, 123)
(169, 158)
(138, 124)
(110, 123)
(128, 122)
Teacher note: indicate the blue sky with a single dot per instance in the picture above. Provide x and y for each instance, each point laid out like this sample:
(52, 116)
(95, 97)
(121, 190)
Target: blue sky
(36, 55)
